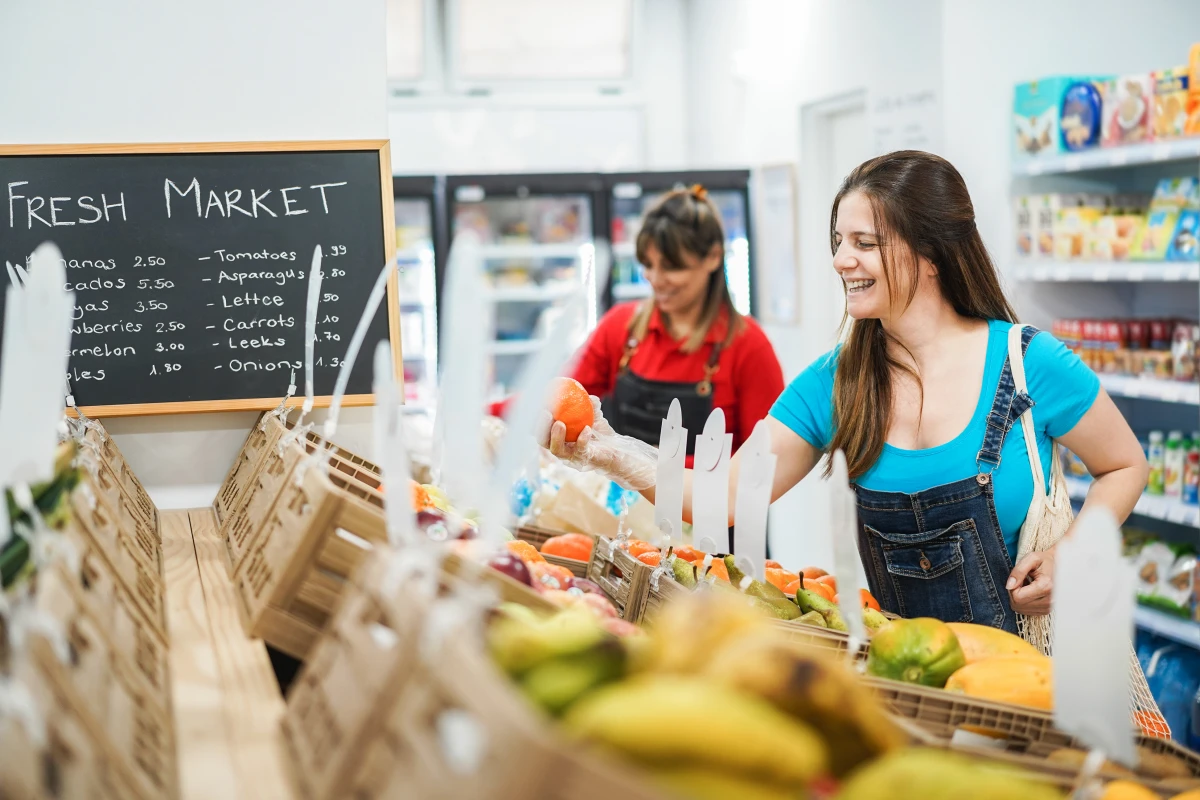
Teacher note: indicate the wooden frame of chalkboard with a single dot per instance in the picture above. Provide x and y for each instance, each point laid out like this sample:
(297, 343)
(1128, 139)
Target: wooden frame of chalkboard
(38, 207)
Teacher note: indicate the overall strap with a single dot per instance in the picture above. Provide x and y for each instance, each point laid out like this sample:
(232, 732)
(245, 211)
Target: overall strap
(1007, 407)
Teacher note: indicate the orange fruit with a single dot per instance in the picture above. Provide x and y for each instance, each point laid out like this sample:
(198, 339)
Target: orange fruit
(569, 404)
(635, 547)
(772, 564)
(540, 571)
(868, 600)
(717, 570)
(689, 553)
(525, 551)
(1152, 724)
(651, 557)
(828, 580)
(792, 587)
(812, 573)
(820, 588)
(780, 577)
(569, 545)
(420, 497)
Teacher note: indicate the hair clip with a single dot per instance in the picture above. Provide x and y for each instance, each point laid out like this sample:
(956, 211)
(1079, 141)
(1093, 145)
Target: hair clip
(698, 191)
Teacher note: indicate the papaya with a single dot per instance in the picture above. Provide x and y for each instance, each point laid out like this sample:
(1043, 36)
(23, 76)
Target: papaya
(983, 641)
(1021, 680)
(1127, 790)
(922, 650)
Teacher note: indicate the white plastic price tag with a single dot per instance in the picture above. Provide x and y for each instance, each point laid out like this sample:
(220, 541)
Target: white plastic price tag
(1072, 164)
(360, 333)
(1101, 273)
(37, 336)
(390, 450)
(756, 475)
(844, 518)
(466, 325)
(310, 329)
(668, 487)
(710, 485)
(1092, 613)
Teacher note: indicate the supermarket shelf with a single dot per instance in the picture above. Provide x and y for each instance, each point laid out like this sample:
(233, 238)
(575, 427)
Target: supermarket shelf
(630, 291)
(514, 347)
(413, 255)
(1152, 506)
(1176, 629)
(1110, 157)
(533, 250)
(1106, 271)
(1149, 389)
(530, 294)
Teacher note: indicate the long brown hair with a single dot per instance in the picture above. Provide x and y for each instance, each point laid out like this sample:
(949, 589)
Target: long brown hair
(921, 208)
(687, 221)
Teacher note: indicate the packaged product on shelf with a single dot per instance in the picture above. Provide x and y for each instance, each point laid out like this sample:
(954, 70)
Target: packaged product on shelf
(1155, 456)
(1191, 471)
(1161, 332)
(1171, 197)
(1174, 455)
(1114, 345)
(1193, 95)
(1183, 351)
(1139, 334)
(1073, 466)
(1073, 224)
(1081, 114)
(1036, 107)
(1128, 101)
(1185, 244)
(1179, 587)
(1153, 564)
(1045, 209)
(1023, 225)
(1170, 102)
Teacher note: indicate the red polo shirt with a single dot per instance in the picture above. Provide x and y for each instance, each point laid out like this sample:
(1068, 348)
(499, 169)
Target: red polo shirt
(746, 385)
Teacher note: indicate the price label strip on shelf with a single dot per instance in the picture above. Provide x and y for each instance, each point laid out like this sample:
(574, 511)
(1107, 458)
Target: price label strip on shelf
(756, 476)
(710, 485)
(1092, 619)
(668, 485)
(846, 567)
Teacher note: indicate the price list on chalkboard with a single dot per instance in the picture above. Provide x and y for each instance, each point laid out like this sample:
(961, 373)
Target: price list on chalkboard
(190, 269)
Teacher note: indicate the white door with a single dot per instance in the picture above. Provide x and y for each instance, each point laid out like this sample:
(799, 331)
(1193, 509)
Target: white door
(833, 142)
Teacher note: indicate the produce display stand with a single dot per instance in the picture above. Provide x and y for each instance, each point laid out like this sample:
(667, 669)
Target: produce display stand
(624, 579)
(538, 536)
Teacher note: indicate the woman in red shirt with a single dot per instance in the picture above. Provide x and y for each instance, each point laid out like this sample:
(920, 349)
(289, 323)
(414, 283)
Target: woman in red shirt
(685, 342)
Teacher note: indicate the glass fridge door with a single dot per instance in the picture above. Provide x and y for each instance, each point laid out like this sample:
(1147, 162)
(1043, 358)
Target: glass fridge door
(534, 249)
(418, 304)
(629, 204)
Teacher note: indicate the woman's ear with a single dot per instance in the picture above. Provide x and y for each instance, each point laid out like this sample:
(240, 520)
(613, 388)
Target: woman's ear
(715, 258)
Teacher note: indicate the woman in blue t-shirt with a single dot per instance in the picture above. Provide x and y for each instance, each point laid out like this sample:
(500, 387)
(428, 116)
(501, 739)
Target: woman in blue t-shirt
(921, 398)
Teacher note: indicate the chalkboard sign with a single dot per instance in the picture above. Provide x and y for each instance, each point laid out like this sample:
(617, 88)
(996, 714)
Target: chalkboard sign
(189, 265)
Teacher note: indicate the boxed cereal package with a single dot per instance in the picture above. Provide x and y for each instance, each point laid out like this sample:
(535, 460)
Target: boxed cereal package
(1170, 102)
(1128, 105)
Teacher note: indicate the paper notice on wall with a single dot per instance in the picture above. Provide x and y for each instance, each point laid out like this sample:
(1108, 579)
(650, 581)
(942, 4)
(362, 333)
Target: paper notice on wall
(905, 119)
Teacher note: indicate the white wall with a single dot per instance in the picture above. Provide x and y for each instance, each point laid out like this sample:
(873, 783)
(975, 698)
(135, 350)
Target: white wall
(222, 70)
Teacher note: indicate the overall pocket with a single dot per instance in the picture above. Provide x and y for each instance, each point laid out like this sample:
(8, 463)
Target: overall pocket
(926, 571)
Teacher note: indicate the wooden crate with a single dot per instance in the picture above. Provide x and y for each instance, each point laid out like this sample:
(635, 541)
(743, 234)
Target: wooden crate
(537, 537)
(103, 443)
(131, 560)
(70, 764)
(100, 490)
(662, 589)
(106, 692)
(262, 437)
(623, 578)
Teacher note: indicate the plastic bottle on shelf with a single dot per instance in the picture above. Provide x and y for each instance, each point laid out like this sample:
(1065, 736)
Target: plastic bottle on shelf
(1156, 456)
(1191, 471)
(1176, 454)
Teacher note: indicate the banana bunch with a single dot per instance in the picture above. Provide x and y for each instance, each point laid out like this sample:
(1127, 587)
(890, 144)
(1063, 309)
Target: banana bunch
(558, 659)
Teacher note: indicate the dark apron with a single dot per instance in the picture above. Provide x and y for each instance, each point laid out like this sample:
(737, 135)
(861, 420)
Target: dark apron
(637, 405)
(941, 553)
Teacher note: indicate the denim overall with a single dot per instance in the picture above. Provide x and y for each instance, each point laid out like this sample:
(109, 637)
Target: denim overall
(940, 552)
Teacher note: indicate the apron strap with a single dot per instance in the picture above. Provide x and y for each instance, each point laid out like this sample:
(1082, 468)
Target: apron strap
(711, 367)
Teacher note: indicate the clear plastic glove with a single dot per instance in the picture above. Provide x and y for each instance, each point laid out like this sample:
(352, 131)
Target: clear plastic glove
(628, 462)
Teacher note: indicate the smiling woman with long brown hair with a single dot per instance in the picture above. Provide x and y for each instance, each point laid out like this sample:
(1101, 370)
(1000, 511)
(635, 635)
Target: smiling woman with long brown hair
(923, 399)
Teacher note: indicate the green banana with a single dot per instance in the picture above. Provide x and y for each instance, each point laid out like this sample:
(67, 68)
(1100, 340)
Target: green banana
(518, 645)
(699, 783)
(812, 618)
(771, 595)
(809, 600)
(658, 719)
(683, 572)
(557, 683)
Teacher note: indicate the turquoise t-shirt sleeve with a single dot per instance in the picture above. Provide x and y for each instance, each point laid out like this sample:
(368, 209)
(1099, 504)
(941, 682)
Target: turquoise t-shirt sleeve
(1063, 388)
(806, 405)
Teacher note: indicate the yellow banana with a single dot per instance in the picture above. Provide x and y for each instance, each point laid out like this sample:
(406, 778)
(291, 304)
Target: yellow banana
(685, 634)
(669, 718)
(810, 686)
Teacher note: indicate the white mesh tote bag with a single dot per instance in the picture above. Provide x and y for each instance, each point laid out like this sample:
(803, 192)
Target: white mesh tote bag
(1048, 520)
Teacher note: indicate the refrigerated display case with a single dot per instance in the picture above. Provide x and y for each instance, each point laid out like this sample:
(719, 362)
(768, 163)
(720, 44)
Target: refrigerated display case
(536, 233)
(630, 194)
(417, 220)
